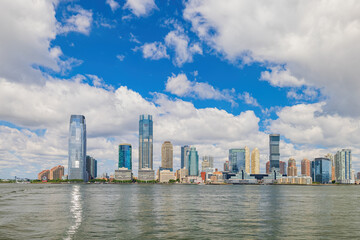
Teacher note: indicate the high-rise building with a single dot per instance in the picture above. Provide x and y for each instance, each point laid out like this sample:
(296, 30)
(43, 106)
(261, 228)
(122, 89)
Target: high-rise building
(167, 155)
(207, 163)
(331, 157)
(247, 159)
(145, 142)
(77, 148)
(305, 167)
(282, 166)
(321, 170)
(90, 167)
(184, 152)
(343, 165)
(274, 146)
(56, 173)
(267, 167)
(193, 162)
(292, 169)
(237, 159)
(95, 168)
(44, 175)
(226, 166)
(255, 161)
(125, 156)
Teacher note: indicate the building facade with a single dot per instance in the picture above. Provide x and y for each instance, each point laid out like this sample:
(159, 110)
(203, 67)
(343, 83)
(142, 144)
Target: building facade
(343, 165)
(207, 163)
(255, 161)
(77, 148)
(274, 146)
(56, 173)
(305, 167)
(146, 142)
(226, 166)
(282, 167)
(125, 156)
(321, 170)
(184, 152)
(247, 159)
(91, 167)
(292, 169)
(237, 159)
(44, 175)
(167, 155)
(193, 162)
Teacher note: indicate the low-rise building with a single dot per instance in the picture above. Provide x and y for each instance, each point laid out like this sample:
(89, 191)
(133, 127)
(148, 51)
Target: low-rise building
(304, 180)
(165, 176)
(146, 174)
(123, 174)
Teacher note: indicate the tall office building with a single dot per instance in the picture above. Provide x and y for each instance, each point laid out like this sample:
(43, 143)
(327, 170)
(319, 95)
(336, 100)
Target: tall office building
(167, 156)
(343, 165)
(292, 169)
(193, 162)
(237, 159)
(305, 167)
(125, 156)
(247, 159)
(321, 170)
(274, 146)
(95, 168)
(282, 166)
(184, 152)
(226, 166)
(77, 148)
(91, 167)
(255, 161)
(331, 157)
(145, 142)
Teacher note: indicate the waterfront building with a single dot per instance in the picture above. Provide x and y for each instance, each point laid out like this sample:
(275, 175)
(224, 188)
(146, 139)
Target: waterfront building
(358, 175)
(304, 180)
(226, 166)
(193, 162)
(184, 156)
(44, 175)
(247, 159)
(305, 167)
(145, 142)
(237, 159)
(267, 167)
(167, 155)
(95, 168)
(282, 166)
(343, 166)
(332, 160)
(146, 174)
(321, 170)
(91, 167)
(207, 164)
(77, 148)
(255, 161)
(274, 146)
(292, 169)
(125, 156)
(181, 174)
(56, 173)
(165, 176)
(123, 174)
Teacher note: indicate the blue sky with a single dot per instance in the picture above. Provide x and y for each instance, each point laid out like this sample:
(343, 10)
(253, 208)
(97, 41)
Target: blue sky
(214, 75)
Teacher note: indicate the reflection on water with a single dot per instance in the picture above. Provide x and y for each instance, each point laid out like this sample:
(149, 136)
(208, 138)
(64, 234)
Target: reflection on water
(76, 211)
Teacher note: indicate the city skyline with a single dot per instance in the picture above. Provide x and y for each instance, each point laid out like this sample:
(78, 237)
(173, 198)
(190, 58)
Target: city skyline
(208, 81)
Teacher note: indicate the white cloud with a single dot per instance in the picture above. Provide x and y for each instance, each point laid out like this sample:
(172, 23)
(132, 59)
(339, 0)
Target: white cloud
(316, 40)
(140, 7)
(181, 86)
(113, 4)
(307, 93)
(154, 51)
(179, 41)
(120, 57)
(79, 22)
(280, 77)
(248, 99)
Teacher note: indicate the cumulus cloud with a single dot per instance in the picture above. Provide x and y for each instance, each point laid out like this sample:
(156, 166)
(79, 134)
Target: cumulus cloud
(248, 99)
(181, 86)
(113, 4)
(309, 37)
(140, 7)
(154, 51)
(80, 21)
(280, 77)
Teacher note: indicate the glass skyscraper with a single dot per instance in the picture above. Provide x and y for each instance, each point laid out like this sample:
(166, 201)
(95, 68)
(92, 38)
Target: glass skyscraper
(343, 165)
(321, 170)
(274, 146)
(184, 152)
(193, 162)
(125, 158)
(237, 159)
(145, 142)
(77, 148)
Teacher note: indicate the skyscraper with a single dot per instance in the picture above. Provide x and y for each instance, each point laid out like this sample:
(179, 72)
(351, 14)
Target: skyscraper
(125, 156)
(184, 151)
(274, 146)
(145, 142)
(226, 166)
(292, 169)
(193, 162)
(255, 161)
(237, 159)
(167, 155)
(321, 170)
(90, 167)
(247, 159)
(282, 166)
(267, 167)
(77, 148)
(305, 167)
(343, 165)
(331, 157)
(207, 164)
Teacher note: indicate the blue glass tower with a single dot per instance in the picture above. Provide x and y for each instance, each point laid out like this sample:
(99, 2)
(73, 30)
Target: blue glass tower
(193, 162)
(236, 159)
(321, 170)
(77, 148)
(274, 146)
(145, 142)
(125, 160)
(184, 152)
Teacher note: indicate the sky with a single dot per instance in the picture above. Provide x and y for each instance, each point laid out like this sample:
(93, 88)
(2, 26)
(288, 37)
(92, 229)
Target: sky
(214, 74)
